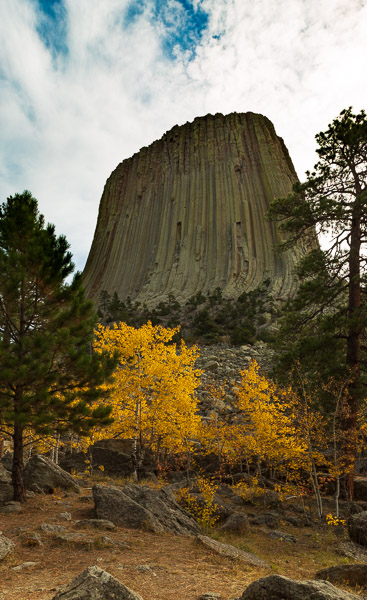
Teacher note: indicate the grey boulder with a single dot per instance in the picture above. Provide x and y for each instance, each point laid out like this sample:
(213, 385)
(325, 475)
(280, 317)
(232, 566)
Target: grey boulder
(96, 584)
(277, 587)
(232, 552)
(357, 528)
(350, 574)
(44, 474)
(236, 523)
(6, 488)
(6, 546)
(141, 507)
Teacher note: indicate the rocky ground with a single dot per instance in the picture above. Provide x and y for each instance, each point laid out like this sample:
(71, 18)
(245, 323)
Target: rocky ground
(159, 566)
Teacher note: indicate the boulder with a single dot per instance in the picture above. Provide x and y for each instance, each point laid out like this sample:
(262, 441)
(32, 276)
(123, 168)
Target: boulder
(270, 519)
(46, 475)
(11, 507)
(6, 546)
(282, 536)
(277, 587)
(232, 552)
(95, 524)
(350, 574)
(6, 488)
(52, 528)
(360, 488)
(141, 507)
(7, 460)
(236, 523)
(228, 495)
(96, 584)
(357, 528)
(113, 455)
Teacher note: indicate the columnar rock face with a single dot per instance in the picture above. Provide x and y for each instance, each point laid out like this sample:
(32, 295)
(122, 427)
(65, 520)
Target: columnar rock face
(186, 214)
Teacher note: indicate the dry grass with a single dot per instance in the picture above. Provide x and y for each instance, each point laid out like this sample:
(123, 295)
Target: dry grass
(180, 567)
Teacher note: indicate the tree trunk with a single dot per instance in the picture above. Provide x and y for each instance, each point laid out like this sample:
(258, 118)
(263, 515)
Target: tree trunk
(18, 465)
(353, 348)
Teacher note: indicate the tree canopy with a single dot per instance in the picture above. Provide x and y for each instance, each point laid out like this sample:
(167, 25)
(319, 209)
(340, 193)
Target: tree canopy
(49, 377)
(325, 323)
(153, 389)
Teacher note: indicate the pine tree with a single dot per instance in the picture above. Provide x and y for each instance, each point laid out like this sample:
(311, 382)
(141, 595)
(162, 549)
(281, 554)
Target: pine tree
(49, 377)
(329, 313)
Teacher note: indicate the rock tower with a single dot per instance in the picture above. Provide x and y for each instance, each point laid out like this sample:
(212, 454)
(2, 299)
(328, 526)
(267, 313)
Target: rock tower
(187, 214)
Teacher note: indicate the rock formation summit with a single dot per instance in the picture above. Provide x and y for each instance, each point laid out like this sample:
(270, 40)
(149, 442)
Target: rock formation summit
(187, 214)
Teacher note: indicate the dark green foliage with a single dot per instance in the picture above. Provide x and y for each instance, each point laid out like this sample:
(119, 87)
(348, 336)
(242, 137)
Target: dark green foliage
(243, 335)
(329, 309)
(324, 327)
(208, 320)
(196, 300)
(49, 376)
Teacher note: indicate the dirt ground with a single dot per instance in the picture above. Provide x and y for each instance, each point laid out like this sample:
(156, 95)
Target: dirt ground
(158, 567)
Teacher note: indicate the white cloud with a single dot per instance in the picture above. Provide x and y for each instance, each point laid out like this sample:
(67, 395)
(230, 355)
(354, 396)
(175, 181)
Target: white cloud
(66, 122)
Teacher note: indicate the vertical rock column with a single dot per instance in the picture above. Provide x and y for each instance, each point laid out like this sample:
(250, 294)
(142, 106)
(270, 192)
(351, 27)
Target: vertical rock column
(187, 214)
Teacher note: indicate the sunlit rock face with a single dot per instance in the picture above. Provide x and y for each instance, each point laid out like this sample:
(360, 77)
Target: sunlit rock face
(187, 214)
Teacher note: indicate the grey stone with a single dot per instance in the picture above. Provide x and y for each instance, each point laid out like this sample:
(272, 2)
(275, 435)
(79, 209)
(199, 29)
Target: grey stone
(6, 546)
(360, 488)
(141, 507)
(277, 587)
(35, 489)
(282, 536)
(44, 473)
(95, 524)
(50, 528)
(350, 574)
(66, 516)
(24, 566)
(6, 488)
(7, 461)
(211, 365)
(11, 507)
(236, 523)
(357, 528)
(353, 551)
(74, 539)
(107, 541)
(269, 519)
(96, 584)
(232, 552)
(146, 569)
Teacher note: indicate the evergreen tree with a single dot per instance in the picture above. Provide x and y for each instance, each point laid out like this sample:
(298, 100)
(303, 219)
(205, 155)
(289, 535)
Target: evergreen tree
(49, 377)
(327, 319)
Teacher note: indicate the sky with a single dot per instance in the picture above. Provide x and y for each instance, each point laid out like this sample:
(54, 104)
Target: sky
(85, 84)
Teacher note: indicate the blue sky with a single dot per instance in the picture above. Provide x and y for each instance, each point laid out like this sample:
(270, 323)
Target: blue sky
(86, 83)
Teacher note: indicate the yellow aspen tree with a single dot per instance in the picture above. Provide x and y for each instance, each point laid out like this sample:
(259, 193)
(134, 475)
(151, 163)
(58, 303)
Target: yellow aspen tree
(153, 391)
(268, 431)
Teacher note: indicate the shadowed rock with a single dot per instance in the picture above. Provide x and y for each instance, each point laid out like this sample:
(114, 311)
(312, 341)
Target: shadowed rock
(6, 546)
(277, 587)
(187, 214)
(357, 528)
(232, 552)
(350, 574)
(6, 488)
(140, 507)
(96, 584)
(46, 475)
